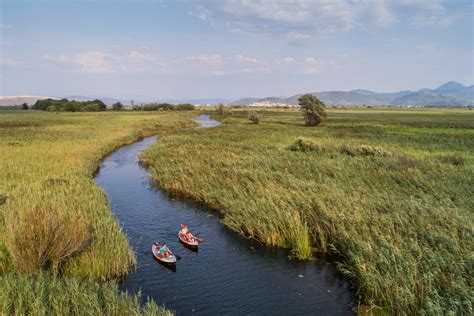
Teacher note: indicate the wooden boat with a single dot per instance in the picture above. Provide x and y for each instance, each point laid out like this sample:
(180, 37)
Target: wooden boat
(188, 242)
(155, 249)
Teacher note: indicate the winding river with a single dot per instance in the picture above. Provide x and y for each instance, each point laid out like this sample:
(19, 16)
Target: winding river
(229, 274)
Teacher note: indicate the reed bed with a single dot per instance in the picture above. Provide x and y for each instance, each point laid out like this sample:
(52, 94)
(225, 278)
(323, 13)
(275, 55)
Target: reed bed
(48, 294)
(373, 187)
(53, 217)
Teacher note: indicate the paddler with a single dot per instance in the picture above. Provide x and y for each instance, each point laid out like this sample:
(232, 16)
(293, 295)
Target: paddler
(185, 232)
(165, 251)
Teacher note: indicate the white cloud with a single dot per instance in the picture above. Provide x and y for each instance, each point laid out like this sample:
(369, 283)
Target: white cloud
(244, 58)
(313, 65)
(302, 19)
(207, 59)
(98, 62)
(214, 64)
(286, 61)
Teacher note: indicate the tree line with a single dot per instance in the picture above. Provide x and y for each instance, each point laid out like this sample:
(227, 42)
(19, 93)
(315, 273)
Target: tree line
(164, 107)
(70, 105)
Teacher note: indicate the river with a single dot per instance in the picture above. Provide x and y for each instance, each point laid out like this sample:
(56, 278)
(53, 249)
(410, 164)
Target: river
(230, 274)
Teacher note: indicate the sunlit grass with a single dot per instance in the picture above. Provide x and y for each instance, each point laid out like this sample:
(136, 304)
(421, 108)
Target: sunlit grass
(376, 191)
(53, 217)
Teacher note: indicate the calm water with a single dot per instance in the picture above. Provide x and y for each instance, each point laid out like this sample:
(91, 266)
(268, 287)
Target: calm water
(229, 274)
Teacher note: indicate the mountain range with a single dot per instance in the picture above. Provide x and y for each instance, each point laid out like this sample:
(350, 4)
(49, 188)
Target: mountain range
(449, 94)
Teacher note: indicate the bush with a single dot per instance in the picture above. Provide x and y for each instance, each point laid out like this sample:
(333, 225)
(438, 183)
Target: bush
(158, 107)
(254, 117)
(185, 107)
(37, 238)
(117, 106)
(453, 160)
(223, 110)
(313, 109)
(304, 145)
(91, 107)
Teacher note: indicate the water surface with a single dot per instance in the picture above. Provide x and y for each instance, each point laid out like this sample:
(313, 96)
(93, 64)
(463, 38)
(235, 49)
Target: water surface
(229, 274)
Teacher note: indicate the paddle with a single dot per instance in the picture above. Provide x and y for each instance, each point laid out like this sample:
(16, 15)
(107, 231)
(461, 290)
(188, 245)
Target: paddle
(200, 240)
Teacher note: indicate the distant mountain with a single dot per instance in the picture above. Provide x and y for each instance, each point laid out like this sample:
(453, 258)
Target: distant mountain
(449, 94)
(20, 99)
(108, 101)
(196, 101)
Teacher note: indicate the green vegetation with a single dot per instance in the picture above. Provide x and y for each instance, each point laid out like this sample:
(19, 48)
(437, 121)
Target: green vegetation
(65, 105)
(53, 217)
(117, 106)
(221, 109)
(254, 117)
(387, 191)
(164, 107)
(313, 109)
(50, 295)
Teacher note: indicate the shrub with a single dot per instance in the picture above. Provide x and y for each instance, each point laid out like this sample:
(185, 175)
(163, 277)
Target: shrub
(453, 160)
(223, 110)
(254, 117)
(91, 107)
(185, 107)
(117, 106)
(38, 237)
(158, 107)
(313, 109)
(304, 145)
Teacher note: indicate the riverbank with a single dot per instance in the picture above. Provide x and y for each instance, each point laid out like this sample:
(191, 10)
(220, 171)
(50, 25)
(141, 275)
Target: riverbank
(388, 191)
(223, 267)
(47, 163)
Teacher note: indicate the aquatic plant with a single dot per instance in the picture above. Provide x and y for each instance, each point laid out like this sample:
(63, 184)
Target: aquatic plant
(366, 186)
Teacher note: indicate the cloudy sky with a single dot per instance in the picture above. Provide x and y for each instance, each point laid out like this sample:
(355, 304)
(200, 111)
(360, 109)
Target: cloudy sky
(151, 49)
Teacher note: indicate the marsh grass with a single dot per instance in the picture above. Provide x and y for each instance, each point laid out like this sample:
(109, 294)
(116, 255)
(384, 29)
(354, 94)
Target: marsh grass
(367, 185)
(47, 294)
(54, 218)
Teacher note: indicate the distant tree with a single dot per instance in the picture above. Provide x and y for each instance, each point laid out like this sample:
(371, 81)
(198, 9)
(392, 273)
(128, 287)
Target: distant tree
(254, 117)
(92, 107)
(100, 104)
(185, 107)
(313, 109)
(117, 106)
(223, 110)
(24, 106)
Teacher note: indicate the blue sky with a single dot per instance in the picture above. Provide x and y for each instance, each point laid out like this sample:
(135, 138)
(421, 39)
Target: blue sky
(146, 49)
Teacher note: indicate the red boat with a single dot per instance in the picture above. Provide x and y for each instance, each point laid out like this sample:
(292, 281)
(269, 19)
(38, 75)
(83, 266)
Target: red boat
(191, 242)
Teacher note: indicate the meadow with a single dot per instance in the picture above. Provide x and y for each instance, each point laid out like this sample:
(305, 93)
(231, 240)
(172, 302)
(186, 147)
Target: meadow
(386, 192)
(57, 233)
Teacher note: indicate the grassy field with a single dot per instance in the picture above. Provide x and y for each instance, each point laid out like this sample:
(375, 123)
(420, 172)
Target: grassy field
(53, 217)
(388, 191)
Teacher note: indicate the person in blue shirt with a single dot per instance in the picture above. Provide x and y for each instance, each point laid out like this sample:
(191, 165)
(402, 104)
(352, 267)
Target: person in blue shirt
(165, 251)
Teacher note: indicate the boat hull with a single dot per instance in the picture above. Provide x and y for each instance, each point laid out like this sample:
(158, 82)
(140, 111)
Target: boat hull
(186, 242)
(156, 253)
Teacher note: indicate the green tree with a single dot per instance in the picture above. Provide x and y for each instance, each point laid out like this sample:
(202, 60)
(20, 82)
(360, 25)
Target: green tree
(24, 106)
(313, 109)
(117, 106)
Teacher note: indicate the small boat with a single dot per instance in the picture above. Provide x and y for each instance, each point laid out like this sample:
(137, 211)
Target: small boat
(192, 242)
(155, 249)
